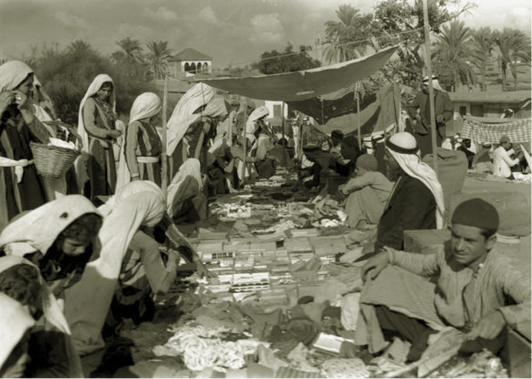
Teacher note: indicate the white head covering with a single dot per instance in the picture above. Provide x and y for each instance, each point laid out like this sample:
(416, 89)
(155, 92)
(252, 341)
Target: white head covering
(145, 106)
(403, 147)
(15, 320)
(191, 168)
(88, 301)
(183, 115)
(91, 91)
(435, 83)
(38, 229)
(12, 74)
(80, 162)
(251, 126)
(51, 312)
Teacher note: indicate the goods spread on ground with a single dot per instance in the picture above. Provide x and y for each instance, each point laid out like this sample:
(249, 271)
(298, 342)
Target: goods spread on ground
(274, 308)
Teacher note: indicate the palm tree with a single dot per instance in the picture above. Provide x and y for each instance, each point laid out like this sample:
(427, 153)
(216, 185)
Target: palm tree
(514, 48)
(79, 47)
(339, 34)
(157, 57)
(453, 51)
(484, 45)
(133, 54)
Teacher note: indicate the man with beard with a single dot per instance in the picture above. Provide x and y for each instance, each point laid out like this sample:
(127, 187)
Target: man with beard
(416, 201)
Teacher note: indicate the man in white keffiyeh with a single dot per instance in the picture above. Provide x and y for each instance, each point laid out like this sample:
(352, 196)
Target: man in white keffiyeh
(416, 201)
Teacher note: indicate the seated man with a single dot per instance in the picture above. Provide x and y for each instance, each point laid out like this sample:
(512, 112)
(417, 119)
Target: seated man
(416, 201)
(336, 149)
(322, 161)
(502, 159)
(476, 288)
(350, 150)
(366, 193)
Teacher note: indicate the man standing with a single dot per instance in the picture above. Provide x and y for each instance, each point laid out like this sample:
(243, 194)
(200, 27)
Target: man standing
(502, 160)
(416, 201)
(443, 111)
(476, 288)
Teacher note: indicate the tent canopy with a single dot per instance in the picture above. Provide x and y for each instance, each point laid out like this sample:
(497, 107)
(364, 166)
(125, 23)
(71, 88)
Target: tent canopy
(303, 85)
(490, 130)
(375, 117)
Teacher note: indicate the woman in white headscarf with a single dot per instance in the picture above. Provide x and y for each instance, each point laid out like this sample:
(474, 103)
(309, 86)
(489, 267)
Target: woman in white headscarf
(96, 126)
(186, 112)
(21, 189)
(59, 237)
(87, 303)
(50, 347)
(140, 155)
(15, 326)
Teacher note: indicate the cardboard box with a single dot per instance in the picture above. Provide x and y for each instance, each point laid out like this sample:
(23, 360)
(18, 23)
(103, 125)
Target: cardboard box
(425, 241)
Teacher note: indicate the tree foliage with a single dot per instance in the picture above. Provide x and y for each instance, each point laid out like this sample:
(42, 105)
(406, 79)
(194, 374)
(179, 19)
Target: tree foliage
(66, 74)
(452, 55)
(157, 57)
(514, 48)
(274, 62)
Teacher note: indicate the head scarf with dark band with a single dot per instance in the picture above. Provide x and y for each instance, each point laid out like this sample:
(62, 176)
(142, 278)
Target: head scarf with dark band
(403, 148)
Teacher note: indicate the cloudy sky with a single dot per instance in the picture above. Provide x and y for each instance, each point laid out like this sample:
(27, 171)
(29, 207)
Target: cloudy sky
(231, 31)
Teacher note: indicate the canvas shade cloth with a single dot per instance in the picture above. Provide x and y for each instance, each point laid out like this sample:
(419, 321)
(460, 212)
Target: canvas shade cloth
(88, 301)
(53, 317)
(490, 130)
(341, 102)
(381, 115)
(306, 84)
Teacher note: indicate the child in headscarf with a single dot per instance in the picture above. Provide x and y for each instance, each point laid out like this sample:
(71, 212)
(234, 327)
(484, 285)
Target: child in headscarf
(367, 193)
(49, 344)
(58, 237)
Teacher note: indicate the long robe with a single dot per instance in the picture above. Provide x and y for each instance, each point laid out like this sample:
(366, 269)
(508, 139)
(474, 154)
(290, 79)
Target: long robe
(15, 136)
(101, 162)
(88, 302)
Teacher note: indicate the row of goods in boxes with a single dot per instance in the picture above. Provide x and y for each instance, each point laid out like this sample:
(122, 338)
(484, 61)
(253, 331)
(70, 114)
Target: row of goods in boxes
(275, 269)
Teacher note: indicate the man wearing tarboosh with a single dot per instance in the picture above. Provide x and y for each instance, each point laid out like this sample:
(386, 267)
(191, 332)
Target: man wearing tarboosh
(477, 288)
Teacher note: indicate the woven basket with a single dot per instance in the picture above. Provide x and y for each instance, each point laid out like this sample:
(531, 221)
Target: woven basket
(52, 161)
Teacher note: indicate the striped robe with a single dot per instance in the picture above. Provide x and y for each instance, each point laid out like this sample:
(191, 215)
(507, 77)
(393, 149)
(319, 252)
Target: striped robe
(15, 136)
(142, 140)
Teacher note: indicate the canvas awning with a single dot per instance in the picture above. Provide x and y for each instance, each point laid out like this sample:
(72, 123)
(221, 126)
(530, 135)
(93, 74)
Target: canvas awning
(490, 130)
(303, 85)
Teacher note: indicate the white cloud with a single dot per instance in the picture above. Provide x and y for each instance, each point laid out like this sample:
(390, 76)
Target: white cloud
(267, 28)
(72, 20)
(161, 14)
(207, 15)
